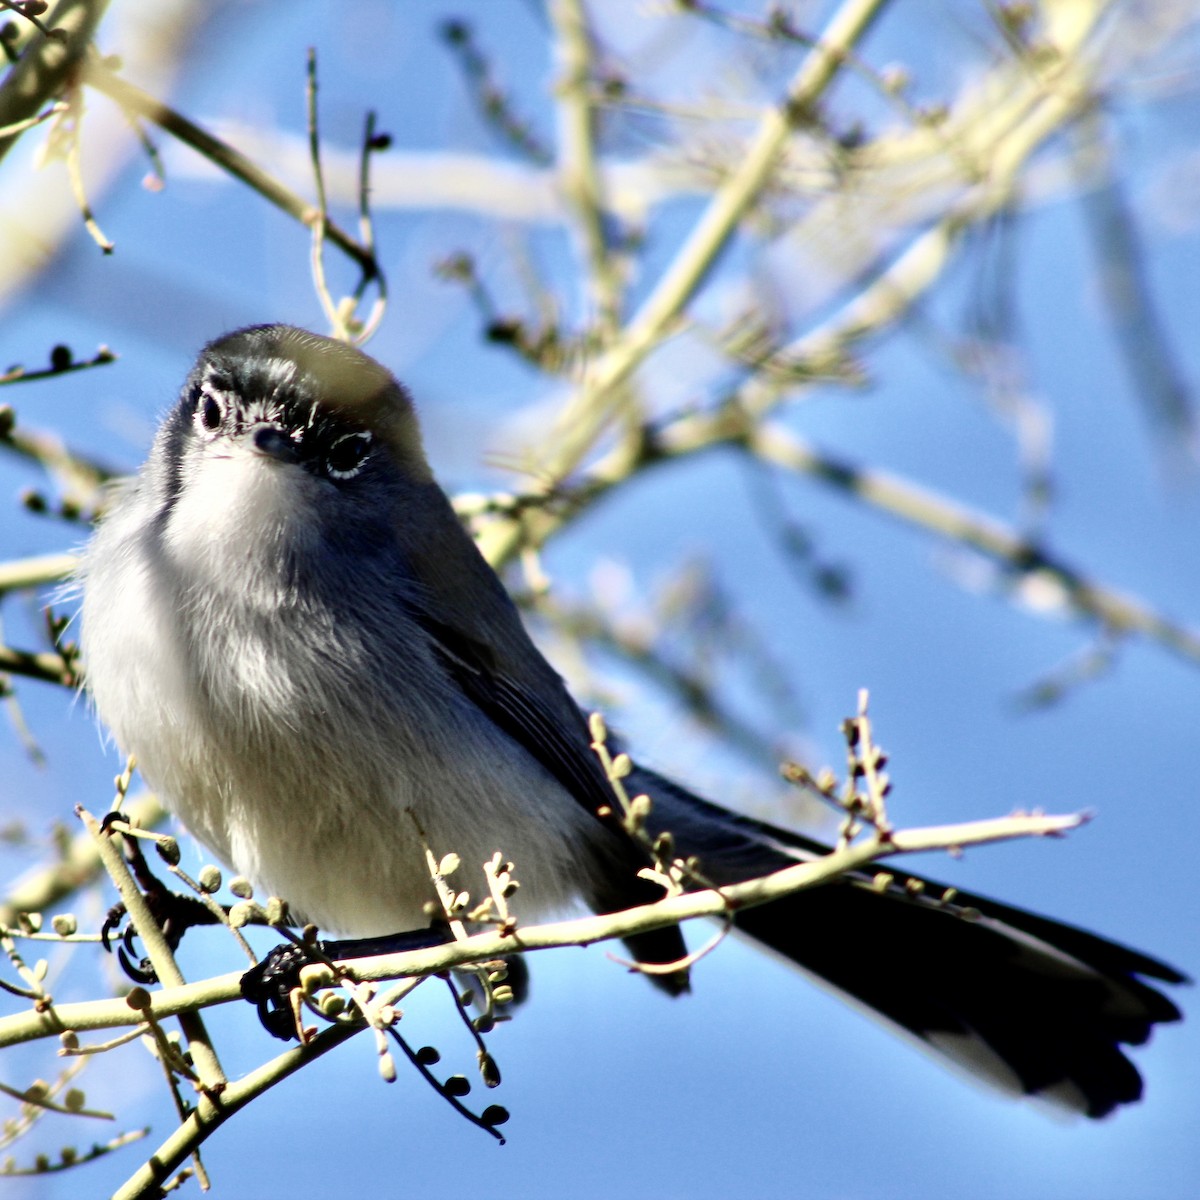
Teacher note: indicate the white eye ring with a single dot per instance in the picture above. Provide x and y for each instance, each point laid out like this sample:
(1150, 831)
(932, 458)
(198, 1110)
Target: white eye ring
(348, 454)
(211, 408)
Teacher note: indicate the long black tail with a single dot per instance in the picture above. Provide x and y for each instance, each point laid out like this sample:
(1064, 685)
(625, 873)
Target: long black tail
(1031, 1005)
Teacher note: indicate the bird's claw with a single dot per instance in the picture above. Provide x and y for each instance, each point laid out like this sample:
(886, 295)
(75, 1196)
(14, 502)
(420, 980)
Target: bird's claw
(141, 970)
(268, 985)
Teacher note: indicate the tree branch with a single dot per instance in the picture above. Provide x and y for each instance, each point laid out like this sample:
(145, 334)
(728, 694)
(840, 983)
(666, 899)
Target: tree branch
(47, 64)
(230, 160)
(591, 408)
(484, 947)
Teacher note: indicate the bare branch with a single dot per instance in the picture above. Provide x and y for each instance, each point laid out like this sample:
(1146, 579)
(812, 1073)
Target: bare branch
(579, 169)
(47, 65)
(590, 411)
(585, 931)
(236, 164)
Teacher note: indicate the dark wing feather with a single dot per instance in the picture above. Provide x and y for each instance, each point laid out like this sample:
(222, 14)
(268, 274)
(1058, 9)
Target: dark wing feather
(1024, 1001)
(566, 753)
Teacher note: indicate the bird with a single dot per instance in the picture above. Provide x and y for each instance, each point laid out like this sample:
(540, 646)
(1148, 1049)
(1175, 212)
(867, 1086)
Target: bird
(286, 623)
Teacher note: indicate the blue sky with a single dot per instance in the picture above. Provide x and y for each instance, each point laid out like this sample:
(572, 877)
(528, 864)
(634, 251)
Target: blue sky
(757, 1082)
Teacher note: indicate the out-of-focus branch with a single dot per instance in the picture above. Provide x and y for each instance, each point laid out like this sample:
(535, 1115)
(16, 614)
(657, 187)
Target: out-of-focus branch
(77, 866)
(48, 63)
(61, 363)
(999, 139)
(1002, 147)
(78, 473)
(691, 688)
(1156, 379)
(49, 668)
(589, 412)
(1039, 575)
(228, 159)
(579, 170)
(978, 154)
(36, 572)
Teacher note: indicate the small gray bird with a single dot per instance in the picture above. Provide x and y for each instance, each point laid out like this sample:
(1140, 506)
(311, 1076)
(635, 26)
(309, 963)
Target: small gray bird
(286, 623)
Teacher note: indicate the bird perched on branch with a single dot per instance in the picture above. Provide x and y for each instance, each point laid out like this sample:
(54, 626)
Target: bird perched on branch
(285, 622)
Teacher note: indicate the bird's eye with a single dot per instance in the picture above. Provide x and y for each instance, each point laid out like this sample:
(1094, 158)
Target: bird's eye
(347, 454)
(210, 411)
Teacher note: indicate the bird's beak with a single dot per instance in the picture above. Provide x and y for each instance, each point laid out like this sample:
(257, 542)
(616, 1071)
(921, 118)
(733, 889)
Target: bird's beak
(272, 442)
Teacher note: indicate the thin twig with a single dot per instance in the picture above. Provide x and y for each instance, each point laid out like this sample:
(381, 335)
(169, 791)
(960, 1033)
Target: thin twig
(577, 157)
(78, 865)
(20, 127)
(207, 1117)
(220, 153)
(372, 143)
(336, 319)
(61, 364)
(49, 668)
(48, 64)
(72, 123)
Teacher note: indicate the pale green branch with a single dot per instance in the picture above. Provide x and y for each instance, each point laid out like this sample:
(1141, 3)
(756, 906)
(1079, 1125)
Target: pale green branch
(578, 170)
(591, 409)
(157, 948)
(484, 947)
(36, 571)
